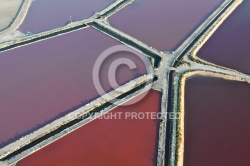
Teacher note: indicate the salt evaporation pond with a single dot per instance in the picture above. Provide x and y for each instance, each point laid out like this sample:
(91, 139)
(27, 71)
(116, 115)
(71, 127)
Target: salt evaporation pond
(45, 15)
(216, 122)
(120, 142)
(163, 24)
(45, 80)
(229, 46)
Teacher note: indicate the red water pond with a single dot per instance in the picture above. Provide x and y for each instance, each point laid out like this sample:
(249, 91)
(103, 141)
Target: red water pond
(163, 24)
(217, 121)
(45, 80)
(113, 142)
(48, 14)
(229, 46)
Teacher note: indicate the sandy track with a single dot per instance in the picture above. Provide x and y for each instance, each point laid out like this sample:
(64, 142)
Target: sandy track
(8, 12)
(12, 14)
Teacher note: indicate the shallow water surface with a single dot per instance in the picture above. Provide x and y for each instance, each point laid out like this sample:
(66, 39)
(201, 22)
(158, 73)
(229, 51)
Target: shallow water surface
(163, 24)
(45, 80)
(217, 121)
(229, 46)
(123, 142)
(45, 15)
